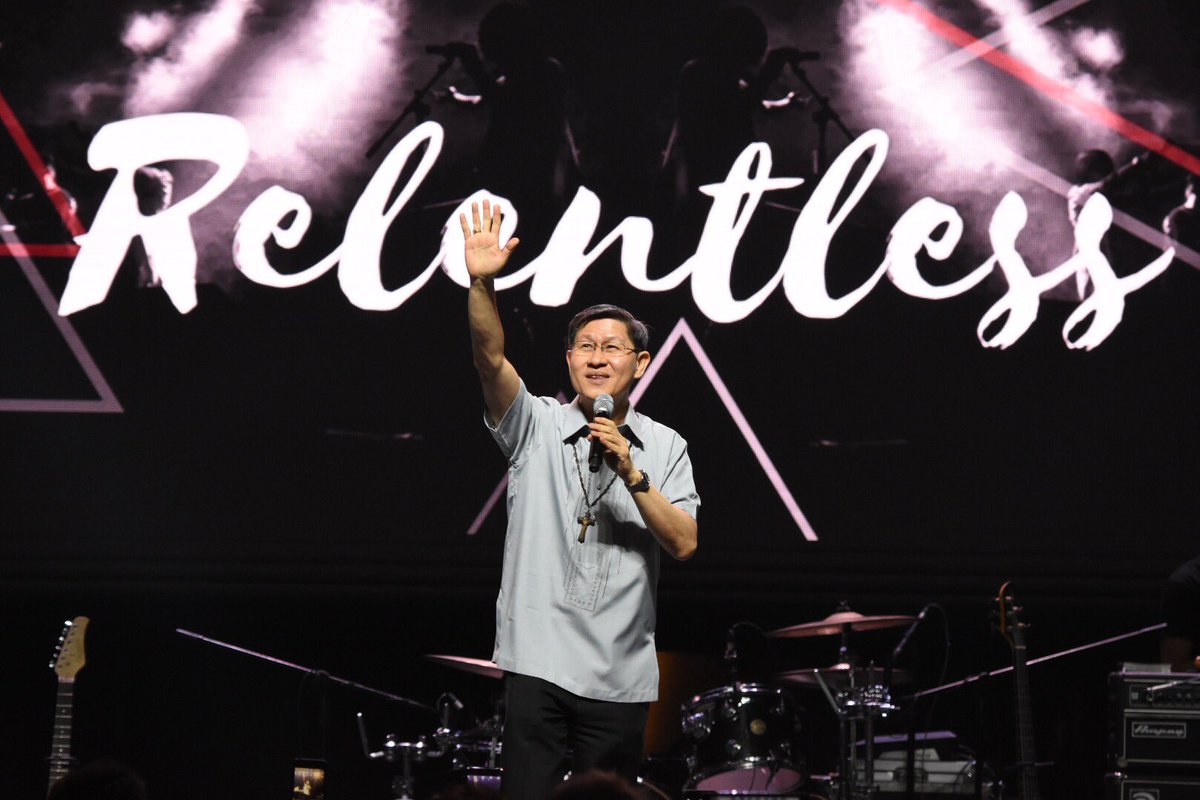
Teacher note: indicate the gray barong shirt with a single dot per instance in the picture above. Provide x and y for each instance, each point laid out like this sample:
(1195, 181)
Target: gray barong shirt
(581, 615)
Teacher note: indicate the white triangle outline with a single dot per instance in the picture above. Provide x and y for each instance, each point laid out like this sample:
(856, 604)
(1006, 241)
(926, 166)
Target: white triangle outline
(107, 402)
(684, 331)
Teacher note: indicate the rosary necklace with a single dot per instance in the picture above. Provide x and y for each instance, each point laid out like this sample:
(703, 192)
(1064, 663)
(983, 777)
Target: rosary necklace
(586, 519)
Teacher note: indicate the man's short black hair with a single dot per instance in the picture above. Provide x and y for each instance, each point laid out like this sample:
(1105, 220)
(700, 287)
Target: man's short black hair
(638, 330)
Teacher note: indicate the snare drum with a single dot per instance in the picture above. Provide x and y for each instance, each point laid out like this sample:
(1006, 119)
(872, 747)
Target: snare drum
(468, 757)
(479, 777)
(469, 750)
(742, 740)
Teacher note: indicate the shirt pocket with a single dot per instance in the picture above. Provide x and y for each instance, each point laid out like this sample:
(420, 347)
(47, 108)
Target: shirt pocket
(587, 574)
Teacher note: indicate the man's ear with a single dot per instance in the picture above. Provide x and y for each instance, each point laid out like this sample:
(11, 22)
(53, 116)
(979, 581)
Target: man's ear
(643, 361)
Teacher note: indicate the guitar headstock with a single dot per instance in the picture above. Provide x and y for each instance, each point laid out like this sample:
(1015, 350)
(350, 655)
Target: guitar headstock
(68, 655)
(1008, 619)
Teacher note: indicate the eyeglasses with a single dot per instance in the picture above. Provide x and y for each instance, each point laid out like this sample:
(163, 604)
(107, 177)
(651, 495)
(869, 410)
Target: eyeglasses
(610, 349)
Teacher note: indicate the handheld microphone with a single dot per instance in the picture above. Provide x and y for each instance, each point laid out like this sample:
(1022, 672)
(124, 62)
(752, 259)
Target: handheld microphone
(601, 407)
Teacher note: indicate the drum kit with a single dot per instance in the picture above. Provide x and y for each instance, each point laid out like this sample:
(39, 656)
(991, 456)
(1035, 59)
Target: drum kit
(450, 755)
(744, 735)
(738, 739)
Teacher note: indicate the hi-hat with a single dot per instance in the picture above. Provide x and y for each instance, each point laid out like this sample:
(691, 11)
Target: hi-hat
(478, 666)
(838, 676)
(839, 622)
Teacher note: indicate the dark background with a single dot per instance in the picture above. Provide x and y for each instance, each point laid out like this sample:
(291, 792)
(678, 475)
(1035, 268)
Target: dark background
(296, 476)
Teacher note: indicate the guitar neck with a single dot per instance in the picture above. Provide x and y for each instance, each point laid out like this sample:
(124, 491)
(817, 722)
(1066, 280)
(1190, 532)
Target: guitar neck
(1027, 760)
(60, 739)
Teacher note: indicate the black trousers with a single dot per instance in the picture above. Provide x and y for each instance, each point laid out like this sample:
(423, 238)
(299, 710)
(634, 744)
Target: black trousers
(548, 730)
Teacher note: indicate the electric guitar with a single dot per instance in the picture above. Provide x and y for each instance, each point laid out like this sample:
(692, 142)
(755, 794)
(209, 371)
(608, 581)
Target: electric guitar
(1012, 629)
(67, 661)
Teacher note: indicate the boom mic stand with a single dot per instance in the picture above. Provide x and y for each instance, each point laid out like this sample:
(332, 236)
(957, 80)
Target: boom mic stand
(404, 701)
(402, 784)
(1004, 670)
(417, 106)
(824, 114)
(971, 680)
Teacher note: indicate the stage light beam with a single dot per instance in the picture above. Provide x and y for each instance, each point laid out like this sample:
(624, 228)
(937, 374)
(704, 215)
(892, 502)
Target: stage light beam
(169, 82)
(1099, 49)
(313, 99)
(147, 33)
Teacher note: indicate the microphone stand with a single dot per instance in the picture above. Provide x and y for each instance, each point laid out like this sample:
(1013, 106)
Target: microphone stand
(1004, 670)
(910, 753)
(971, 680)
(416, 106)
(904, 640)
(824, 114)
(403, 783)
(404, 701)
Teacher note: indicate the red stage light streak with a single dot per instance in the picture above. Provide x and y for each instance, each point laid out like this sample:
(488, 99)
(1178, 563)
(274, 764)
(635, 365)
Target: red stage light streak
(40, 250)
(21, 139)
(1055, 90)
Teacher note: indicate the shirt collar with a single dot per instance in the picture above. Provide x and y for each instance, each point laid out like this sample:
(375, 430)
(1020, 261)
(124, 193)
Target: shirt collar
(577, 423)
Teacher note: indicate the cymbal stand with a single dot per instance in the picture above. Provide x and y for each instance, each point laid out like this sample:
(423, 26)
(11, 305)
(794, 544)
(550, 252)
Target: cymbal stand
(496, 724)
(406, 753)
(868, 702)
(865, 703)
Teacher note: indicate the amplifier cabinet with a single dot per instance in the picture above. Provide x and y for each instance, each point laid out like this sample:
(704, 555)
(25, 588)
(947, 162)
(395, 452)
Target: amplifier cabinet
(1154, 722)
(1129, 787)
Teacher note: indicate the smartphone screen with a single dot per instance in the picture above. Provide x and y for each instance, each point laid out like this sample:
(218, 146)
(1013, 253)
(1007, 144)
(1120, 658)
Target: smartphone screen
(308, 780)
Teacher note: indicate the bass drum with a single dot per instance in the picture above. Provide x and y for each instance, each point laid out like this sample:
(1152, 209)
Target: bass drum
(742, 741)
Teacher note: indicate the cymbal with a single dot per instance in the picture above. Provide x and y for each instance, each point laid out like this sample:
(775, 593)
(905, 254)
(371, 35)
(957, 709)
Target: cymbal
(839, 621)
(477, 666)
(838, 676)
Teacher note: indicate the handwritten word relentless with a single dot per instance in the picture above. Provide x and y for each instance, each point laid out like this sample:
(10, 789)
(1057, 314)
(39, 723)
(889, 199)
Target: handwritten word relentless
(129, 144)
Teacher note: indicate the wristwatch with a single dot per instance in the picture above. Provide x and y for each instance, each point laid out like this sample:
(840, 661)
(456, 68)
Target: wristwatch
(641, 486)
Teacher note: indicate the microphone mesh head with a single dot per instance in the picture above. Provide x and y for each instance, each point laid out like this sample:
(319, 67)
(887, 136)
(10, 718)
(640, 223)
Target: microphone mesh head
(603, 406)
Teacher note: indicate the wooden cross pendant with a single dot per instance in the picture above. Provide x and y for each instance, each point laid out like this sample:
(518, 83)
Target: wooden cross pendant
(585, 522)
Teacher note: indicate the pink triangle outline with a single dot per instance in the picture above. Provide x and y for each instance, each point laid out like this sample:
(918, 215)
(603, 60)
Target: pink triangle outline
(684, 331)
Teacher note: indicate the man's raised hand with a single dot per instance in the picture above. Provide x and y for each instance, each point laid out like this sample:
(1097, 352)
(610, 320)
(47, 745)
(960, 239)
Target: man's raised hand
(485, 258)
